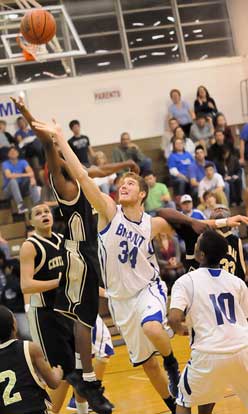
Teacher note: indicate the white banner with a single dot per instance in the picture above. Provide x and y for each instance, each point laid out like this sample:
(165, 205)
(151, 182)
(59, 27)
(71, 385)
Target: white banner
(8, 111)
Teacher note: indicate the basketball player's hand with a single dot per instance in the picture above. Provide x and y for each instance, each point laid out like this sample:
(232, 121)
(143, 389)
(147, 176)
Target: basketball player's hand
(199, 226)
(237, 220)
(58, 371)
(19, 103)
(134, 167)
(53, 129)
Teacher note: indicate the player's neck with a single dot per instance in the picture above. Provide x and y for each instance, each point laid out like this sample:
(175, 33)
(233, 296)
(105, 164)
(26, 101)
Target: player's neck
(133, 213)
(47, 233)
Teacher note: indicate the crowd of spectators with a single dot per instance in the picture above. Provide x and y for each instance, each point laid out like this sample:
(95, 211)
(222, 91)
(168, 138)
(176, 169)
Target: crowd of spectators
(205, 170)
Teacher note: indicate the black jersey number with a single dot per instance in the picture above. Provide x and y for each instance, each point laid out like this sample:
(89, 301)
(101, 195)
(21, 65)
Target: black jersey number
(10, 376)
(228, 265)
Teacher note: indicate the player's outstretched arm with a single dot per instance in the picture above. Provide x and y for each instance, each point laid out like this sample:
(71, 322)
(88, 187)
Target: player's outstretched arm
(28, 284)
(109, 169)
(159, 226)
(20, 104)
(101, 202)
(175, 217)
(51, 376)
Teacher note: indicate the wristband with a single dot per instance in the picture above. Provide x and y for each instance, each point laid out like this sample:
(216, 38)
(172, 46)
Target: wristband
(105, 295)
(221, 223)
(26, 307)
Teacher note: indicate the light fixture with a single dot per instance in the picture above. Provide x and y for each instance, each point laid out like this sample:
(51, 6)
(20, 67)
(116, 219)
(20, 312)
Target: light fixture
(199, 35)
(37, 75)
(172, 32)
(172, 38)
(174, 48)
(101, 51)
(197, 30)
(203, 57)
(157, 23)
(131, 43)
(142, 56)
(197, 21)
(155, 37)
(170, 18)
(28, 79)
(11, 16)
(139, 39)
(158, 53)
(186, 35)
(103, 63)
(138, 24)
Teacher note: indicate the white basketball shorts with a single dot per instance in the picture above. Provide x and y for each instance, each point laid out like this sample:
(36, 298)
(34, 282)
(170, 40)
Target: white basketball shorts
(206, 377)
(130, 315)
(102, 346)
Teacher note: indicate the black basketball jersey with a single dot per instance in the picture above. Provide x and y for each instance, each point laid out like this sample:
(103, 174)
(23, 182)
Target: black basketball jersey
(233, 262)
(80, 222)
(21, 391)
(49, 264)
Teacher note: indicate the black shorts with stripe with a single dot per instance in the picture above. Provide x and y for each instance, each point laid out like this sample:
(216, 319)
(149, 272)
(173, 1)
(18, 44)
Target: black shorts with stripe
(55, 335)
(78, 293)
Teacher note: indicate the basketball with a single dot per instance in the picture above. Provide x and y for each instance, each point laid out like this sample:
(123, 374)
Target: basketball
(38, 26)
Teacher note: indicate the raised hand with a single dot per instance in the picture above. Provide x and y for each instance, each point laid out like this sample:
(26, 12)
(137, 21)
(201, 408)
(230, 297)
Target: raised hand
(237, 220)
(53, 129)
(19, 103)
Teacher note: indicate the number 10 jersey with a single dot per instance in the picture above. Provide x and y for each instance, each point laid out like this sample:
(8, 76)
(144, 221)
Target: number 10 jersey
(126, 255)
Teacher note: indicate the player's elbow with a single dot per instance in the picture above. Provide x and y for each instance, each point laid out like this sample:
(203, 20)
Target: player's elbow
(26, 287)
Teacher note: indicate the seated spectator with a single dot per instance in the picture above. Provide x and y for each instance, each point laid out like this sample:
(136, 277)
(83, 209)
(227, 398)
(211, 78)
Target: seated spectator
(215, 152)
(167, 138)
(6, 140)
(106, 184)
(210, 203)
(202, 130)
(243, 145)
(181, 111)
(80, 144)
(188, 143)
(204, 104)
(196, 171)
(221, 125)
(29, 145)
(158, 195)
(186, 204)
(4, 247)
(212, 181)
(230, 169)
(168, 253)
(19, 180)
(178, 163)
(128, 150)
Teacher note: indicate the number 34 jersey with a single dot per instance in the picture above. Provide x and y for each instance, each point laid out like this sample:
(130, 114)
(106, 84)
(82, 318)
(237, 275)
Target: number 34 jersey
(216, 306)
(126, 255)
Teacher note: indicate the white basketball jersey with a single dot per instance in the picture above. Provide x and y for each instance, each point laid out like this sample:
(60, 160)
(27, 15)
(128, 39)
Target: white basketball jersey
(216, 307)
(127, 256)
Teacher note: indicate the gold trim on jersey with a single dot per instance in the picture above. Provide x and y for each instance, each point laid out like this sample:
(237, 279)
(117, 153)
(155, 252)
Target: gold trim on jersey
(30, 365)
(65, 202)
(44, 239)
(35, 328)
(43, 254)
(7, 343)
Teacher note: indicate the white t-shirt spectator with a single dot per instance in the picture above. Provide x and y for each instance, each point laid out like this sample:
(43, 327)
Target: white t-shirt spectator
(208, 185)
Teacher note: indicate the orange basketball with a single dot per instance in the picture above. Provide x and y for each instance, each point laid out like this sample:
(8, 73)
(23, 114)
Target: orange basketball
(38, 26)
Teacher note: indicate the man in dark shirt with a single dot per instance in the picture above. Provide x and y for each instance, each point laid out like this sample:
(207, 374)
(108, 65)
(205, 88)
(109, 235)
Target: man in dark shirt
(80, 144)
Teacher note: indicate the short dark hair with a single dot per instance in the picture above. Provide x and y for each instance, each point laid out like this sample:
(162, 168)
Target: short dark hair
(214, 246)
(199, 147)
(200, 115)
(6, 323)
(175, 90)
(209, 164)
(148, 172)
(218, 130)
(173, 119)
(208, 193)
(73, 123)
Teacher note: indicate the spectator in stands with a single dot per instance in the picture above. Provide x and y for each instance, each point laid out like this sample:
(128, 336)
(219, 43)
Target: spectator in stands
(202, 130)
(168, 253)
(30, 146)
(106, 184)
(19, 180)
(80, 144)
(229, 167)
(196, 171)
(243, 145)
(128, 150)
(178, 163)
(6, 140)
(167, 138)
(188, 143)
(221, 125)
(210, 203)
(4, 246)
(186, 204)
(204, 104)
(3, 279)
(181, 111)
(212, 181)
(158, 195)
(215, 152)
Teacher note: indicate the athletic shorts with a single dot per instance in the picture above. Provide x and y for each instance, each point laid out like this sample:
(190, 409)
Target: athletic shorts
(130, 315)
(206, 377)
(54, 333)
(102, 346)
(78, 293)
